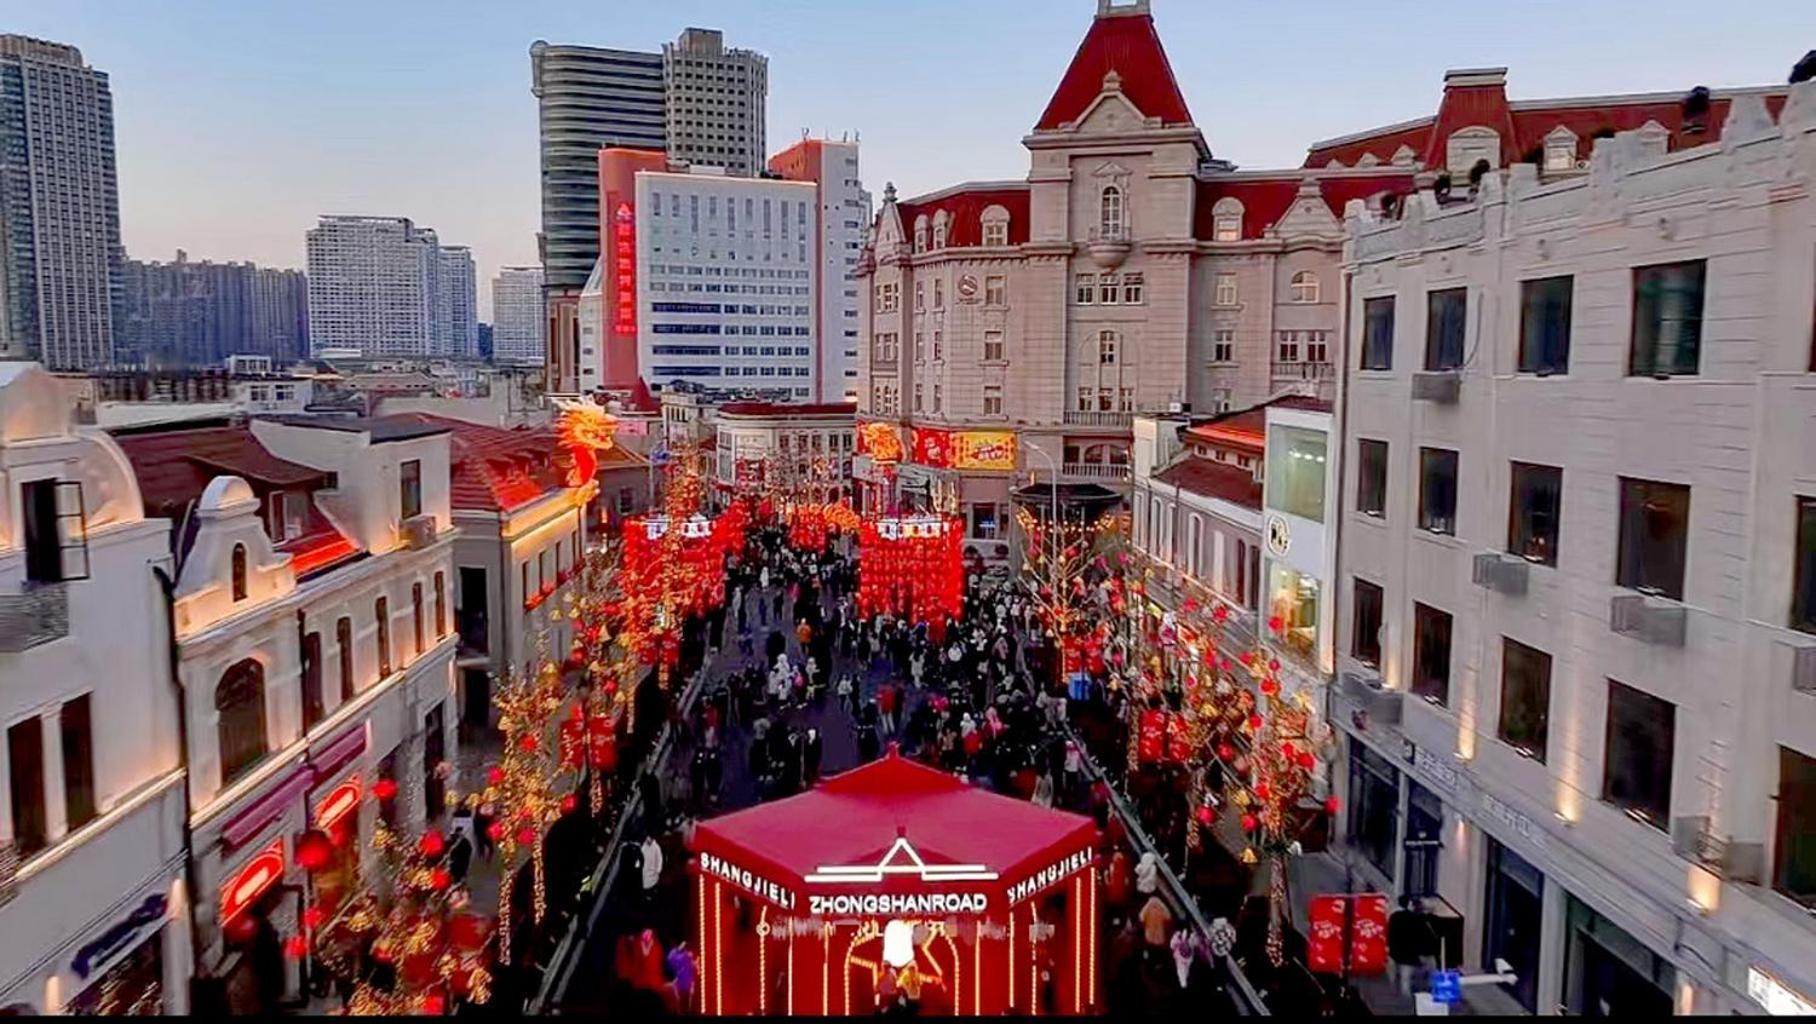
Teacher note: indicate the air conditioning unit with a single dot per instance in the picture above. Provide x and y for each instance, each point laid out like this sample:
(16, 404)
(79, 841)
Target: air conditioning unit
(1495, 570)
(1654, 620)
(1803, 668)
(419, 531)
(1440, 386)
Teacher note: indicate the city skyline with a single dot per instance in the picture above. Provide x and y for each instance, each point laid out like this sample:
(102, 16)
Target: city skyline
(232, 140)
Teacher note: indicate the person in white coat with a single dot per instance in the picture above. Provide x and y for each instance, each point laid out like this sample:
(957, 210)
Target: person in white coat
(652, 867)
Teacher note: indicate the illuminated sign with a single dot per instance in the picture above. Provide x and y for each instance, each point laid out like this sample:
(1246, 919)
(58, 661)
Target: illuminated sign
(893, 528)
(880, 441)
(259, 874)
(334, 806)
(910, 864)
(750, 881)
(984, 450)
(933, 447)
(894, 904)
(1053, 872)
(624, 264)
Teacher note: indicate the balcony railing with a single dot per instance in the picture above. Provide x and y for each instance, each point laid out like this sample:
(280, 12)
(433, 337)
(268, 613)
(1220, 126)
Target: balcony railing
(1096, 471)
(1087, 418)
(1304, 371)
(36, 615)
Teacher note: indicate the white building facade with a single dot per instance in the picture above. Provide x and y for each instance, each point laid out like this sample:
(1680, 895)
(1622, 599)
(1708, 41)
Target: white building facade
(382, 286)
(727, 282)
(1577, 570)
(844, 214)
(94, 909)
(517, 321)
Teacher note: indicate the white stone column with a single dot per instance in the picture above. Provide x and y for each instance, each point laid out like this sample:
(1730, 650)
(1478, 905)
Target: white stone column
(56, 818)
(1553, 922)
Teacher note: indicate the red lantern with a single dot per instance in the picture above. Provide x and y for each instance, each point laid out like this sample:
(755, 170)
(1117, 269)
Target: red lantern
(433, 1005)
(1262, 792)
(1330, 805)
(381, 952)
(1255, 722)
(314, 850)
(1206, 815)
(384, 789)
(296, 947)
(1307, 760)
(440, 879)
(527, 742)
(526, 836)
(313, 917)
(494, 775)
(1225, 752)
(1275, 623)
(1269, 687)
(1248, 823)
(432, 845)
(568, 803)
(495, 830)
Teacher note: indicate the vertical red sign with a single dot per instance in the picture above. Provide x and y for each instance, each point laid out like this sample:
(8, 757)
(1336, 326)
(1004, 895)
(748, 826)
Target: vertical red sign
(1151, 732)
(1368, 939)
(1324, 938)
(624, 265)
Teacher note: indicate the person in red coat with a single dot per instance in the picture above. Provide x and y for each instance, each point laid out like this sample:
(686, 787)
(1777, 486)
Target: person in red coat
(640, 961)
(1118, 880)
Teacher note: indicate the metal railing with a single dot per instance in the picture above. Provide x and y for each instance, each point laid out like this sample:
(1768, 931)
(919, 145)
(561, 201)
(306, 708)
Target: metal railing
(37, 615)
(1304, 371)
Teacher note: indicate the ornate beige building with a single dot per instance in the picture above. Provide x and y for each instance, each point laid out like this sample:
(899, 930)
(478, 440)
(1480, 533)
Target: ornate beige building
(1130, 271)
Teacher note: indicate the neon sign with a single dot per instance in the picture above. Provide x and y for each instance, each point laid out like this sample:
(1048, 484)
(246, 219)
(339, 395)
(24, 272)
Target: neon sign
(624, 262)
(334, 806)
(1051, 873)
(892, 904)
(748, 880)
(264, 869)
(912, 864)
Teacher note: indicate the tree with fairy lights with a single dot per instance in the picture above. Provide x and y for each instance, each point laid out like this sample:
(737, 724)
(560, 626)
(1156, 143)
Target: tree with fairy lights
(1061, 555)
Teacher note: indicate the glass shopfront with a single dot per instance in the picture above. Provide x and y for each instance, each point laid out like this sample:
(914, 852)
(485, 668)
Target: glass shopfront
(1424, 841)
(1295, 471)
(1374, 806)
(1610, 973)
(134, 987)
(1293, 600)
(1515, 909)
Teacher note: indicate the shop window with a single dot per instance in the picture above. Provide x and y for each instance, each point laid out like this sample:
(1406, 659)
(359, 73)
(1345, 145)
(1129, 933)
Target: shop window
(1803, 586)
(1431, 653)
(1654, 535)
(77, 730)
(239, 704)
(1667, 319)
(1609, 973)
(1374, 807)
(1424, 843)
(1525, 698)
(1446, 317)
(434, 750)
(1295, 472)
(1545, 325)
(25, 761)
(1293, 597)
(409, 478)
(1371, 478)
(1438, 490)
(983, 521)
(1794, 874)
(1365, 638)
(1378, 333)
(1514, 911)
(1636, 769)
(1534, 505)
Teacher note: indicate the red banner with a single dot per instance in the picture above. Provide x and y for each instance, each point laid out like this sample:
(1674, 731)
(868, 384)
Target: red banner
(1151, 731)
(1324, 937)
(933, 448)
(1368, 939)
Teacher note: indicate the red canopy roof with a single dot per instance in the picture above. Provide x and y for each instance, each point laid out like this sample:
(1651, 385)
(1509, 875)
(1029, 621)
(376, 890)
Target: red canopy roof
(1124, 42)
(856, 818)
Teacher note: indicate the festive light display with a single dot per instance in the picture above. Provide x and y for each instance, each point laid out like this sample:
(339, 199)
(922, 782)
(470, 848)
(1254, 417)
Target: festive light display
(582, 430)
(1057, 558)
(674, 563)
(912, 567)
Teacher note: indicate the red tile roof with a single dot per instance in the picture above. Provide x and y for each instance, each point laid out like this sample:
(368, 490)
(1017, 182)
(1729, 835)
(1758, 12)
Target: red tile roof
(1248, 427)
(785, 409)
(1523, 124)
(1266, 199)
(174, 467)
(965, 206)
(1213, 480)
(1128, 45)
(495, 470)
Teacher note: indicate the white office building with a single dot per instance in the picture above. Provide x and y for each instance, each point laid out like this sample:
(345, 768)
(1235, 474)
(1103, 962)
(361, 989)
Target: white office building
(384, 287)
(844, 217)
(727, 282)
(517, 320)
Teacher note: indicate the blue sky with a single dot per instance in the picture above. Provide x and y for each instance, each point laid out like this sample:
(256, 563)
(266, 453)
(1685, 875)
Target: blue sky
(239, 121)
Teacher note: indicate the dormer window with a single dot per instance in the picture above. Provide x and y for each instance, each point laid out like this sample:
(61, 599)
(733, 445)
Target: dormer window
(996, 226)
(920, 234)
(238, 572)
(1560, 150)
(939, 230)
(410, 488)
(1226, 220)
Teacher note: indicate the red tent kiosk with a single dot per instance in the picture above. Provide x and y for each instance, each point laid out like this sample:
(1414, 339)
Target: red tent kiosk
(886, 874)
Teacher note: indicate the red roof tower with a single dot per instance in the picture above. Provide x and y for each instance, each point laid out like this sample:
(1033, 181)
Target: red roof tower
(1122, 39)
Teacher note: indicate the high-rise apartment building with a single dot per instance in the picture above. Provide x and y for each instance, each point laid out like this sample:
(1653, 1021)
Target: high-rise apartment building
(59, 207)
(844, 215)
(198, 313)
(696, 100)
(386, 287)
(517, 324)
(716, 100)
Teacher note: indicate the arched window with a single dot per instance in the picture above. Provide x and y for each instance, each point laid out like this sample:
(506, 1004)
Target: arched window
(1109, 216)
(920, 234)
(239, 704)
(940, 222)
(1305, 286)
(416, 607)
(441, 604)
(381, 610)
(239, 572)
(1226, 220)
(1106, 348)
(343, 639)
(996, 226)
